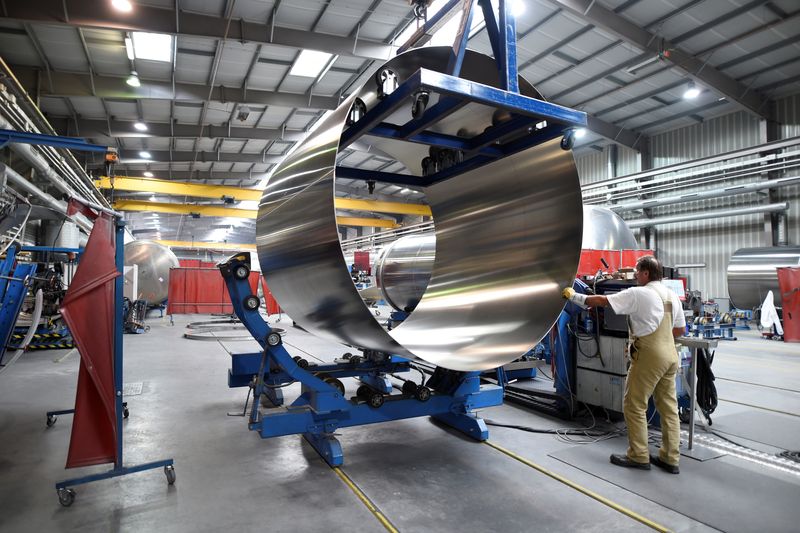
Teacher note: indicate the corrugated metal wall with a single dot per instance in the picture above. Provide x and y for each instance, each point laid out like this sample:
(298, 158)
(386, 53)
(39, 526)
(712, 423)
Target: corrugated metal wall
(707, 241)
(788, 112)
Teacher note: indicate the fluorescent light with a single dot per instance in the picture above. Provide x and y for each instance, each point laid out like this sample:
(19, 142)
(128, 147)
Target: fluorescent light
(148, 174)
(140, 126)
(129, 48)
(517, 7)
(152, 46)
(145, 155)
(133, 79)
(405, 191)
(580, 133)
(122, 5)
(309, 63)
(153, 198)
(692, 91)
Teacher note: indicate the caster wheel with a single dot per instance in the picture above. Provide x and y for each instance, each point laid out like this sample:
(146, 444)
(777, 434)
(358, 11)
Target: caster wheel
(347, 355)
(409, 387)
(335, 383)
(375, 400)
(419, 105)
(422, 393)
(356, 359)
(51, 420)
(241, 272)
(251, 302)
(169, 471)
(66, 497)
(125, 413)
(363, 391)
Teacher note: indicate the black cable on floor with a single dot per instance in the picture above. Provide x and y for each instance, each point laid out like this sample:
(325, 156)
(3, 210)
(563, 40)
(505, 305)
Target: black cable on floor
(706, 390)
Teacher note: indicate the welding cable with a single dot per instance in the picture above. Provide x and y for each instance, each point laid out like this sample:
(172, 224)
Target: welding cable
(706, 390)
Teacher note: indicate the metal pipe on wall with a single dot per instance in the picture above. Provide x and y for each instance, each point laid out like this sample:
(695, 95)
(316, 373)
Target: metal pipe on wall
(649, 222)
(30, 188)
(705, 195)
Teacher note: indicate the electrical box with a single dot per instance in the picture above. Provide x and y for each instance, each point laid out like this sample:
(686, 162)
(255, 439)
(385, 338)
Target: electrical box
(598, 388)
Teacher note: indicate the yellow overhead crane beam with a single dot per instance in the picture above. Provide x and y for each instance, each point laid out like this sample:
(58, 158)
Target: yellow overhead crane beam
(207, 245)
(199, 190)
(217, 211)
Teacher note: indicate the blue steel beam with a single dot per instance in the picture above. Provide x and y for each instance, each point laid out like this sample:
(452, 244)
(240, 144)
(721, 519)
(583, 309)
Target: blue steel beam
(507, 60)
(70, 143)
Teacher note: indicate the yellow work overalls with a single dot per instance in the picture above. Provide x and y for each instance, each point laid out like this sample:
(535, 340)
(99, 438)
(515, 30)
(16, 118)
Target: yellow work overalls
(654, 364)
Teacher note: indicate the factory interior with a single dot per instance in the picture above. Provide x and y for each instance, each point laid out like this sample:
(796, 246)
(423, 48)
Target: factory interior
(400, 265)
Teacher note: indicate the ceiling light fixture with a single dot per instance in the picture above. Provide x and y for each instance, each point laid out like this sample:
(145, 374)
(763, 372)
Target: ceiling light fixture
(145, 155)
(140, 126)
(580, 133)
(133, 79)
(152, 46)
(148, 174)
(309, 63)
(517, 7)
(122, 5)
(692, 91)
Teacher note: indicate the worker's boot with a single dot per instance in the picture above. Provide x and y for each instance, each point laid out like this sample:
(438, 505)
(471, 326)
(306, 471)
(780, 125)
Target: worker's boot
(623, 460)
(663, 465)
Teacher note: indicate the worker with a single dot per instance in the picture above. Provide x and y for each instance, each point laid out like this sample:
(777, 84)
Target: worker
(655, 319)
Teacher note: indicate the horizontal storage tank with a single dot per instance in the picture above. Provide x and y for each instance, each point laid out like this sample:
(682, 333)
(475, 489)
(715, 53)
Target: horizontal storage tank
(154, 261)
(752, 273)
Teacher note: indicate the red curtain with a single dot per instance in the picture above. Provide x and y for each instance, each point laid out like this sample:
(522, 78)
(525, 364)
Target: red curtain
(201, 290)
(590, 260)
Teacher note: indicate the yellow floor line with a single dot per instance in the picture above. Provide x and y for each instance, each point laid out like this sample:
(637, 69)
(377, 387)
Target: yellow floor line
(605, 501)
(365, 500)
(759, 407)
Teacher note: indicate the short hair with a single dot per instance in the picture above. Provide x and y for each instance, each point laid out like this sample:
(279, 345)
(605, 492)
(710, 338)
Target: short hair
(650, 264)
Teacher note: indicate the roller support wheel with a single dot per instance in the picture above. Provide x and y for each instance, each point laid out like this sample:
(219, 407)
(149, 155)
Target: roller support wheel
(422, 393)
(375, 400)
(241, 272)
(409, 387)
(51, 420)
(66, 497)
(568, 141)
(169, 471)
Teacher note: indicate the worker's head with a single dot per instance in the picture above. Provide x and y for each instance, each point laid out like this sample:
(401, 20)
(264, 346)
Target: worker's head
(647, 269)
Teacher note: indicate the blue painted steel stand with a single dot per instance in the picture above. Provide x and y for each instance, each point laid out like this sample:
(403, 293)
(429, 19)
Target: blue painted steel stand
(66, 495)
(322, 408)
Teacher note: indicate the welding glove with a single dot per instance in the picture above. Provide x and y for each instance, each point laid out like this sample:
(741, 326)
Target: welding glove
(574, 297)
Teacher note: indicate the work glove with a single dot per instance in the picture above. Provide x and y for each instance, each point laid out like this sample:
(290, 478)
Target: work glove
(574, 297)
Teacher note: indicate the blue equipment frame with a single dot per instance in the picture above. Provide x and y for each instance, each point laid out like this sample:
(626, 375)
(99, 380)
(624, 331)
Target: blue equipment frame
(66, 495)
(322, 408)
(506, 138)
(15, 278)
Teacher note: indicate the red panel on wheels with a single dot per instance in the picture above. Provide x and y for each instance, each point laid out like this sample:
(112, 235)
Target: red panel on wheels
(88, 310)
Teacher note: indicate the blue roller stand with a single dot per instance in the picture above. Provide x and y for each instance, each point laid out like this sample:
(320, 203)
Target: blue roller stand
(322, 408)
(15, 278)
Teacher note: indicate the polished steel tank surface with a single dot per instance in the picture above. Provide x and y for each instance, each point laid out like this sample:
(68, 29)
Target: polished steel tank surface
(603, 229)
(752, 273)
(154, 261)
(508, 238)
(403, 270)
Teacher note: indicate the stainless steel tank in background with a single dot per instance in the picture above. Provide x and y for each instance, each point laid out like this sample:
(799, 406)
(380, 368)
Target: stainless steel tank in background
(403, 270)
(603, 229)
(752, 273)
(154, 261)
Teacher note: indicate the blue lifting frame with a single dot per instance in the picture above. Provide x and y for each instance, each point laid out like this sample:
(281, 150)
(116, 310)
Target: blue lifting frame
(66, 494)
(322, 407)
(15, 278)
(532, 121)
(57, 141)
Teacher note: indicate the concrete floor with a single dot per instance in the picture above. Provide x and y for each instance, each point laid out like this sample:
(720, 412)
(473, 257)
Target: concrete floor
(420, 475)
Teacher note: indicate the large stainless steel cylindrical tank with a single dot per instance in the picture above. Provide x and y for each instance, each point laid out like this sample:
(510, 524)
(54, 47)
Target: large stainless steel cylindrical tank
(603, 229)
(403, 270)
(752, 273)
(154, 261)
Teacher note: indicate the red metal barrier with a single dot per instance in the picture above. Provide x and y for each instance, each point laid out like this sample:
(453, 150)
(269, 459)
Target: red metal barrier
(789, 283)
(88, 310)
(201, 290)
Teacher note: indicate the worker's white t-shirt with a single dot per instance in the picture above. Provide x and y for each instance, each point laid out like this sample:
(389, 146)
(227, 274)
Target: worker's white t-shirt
(645, 309)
